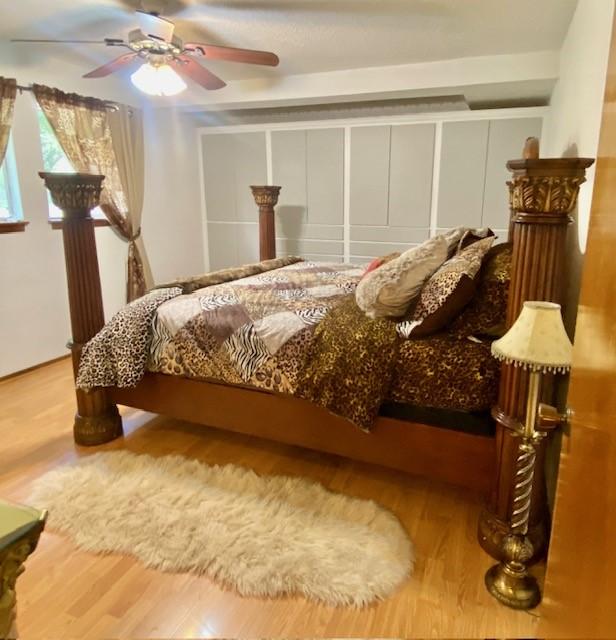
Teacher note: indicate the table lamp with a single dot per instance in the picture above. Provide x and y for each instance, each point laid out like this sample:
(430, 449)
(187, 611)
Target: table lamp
(537, 342)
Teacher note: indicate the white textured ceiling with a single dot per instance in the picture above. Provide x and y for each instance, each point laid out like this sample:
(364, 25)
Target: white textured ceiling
(309, 36)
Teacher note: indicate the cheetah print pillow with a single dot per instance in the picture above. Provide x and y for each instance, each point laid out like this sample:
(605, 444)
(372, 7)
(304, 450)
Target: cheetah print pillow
(447, 291)
(486, 313)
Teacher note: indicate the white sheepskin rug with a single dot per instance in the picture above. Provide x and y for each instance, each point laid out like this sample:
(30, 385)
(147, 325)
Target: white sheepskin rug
(263, 536)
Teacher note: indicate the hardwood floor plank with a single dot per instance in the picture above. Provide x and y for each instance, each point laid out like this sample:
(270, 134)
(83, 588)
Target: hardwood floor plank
(66, 592)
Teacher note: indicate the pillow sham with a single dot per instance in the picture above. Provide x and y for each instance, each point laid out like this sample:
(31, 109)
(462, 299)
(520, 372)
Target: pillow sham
(447, 291)
(389, 290)
(474, 235)
(487, 312)
(379, 262)
(461, 237)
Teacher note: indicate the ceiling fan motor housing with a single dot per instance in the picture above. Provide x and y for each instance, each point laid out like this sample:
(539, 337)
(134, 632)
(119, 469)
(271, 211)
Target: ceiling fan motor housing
(145, 45)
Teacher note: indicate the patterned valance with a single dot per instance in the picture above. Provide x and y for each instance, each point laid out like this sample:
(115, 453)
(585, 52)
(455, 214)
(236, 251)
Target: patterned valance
(98, 141)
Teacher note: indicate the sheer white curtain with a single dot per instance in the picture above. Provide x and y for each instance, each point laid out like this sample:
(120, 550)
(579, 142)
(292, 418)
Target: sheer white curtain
(127, 136)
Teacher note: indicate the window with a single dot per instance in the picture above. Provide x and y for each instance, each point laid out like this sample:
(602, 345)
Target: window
(10, 202)
(55, 160)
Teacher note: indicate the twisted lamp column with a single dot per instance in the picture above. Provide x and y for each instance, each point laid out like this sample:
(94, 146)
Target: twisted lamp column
(509, 581)
(537, 343)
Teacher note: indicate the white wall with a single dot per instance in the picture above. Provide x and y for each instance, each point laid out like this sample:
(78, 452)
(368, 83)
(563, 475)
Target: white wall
(34, 319)
(172, 228)
(573, 124)
(572, 129)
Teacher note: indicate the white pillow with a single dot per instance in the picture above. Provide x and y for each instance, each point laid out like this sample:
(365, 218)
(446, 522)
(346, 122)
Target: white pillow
(389, 290)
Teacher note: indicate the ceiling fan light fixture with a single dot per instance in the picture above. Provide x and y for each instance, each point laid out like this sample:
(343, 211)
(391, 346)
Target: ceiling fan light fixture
(157, 80)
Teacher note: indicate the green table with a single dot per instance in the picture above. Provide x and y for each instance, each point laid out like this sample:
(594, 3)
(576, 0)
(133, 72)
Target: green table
(20, 529)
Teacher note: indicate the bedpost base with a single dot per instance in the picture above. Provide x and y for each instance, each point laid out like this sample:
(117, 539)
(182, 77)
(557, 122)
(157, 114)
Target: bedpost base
(492, 530)
(89, 431)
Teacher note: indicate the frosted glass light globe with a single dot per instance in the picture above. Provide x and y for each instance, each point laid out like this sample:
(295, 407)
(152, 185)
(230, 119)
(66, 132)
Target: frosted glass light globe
(158, 80)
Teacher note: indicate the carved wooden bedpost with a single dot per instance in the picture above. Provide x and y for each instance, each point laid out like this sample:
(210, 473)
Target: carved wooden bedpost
(542, 192)
(97, 419)
(266, 198)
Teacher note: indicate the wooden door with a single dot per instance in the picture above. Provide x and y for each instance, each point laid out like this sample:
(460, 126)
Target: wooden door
(580, 587)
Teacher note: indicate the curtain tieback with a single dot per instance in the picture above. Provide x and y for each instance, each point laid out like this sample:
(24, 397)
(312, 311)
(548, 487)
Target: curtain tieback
(135, 236)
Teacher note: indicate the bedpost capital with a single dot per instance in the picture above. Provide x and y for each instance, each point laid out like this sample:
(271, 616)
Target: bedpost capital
(265, 195)
(76, 194)
(546, 188)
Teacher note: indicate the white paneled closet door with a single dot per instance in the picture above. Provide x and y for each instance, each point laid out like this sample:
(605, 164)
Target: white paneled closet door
(231, 163)
(390, 188)
(473, 174)
(309, 165)
(360, 189)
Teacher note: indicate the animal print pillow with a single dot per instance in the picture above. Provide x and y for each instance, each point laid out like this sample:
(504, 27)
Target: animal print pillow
(447, 291)
(459, 238)
(389, 290)
(379, 262)
(487, 312)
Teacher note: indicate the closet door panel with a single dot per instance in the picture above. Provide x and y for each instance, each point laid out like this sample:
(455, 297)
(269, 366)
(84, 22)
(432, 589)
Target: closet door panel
(505, 142)
(250, 168)
(369, 250)
(325, 175)
(369, 175)
(314, 231)
(289, 167)
(222, 244)
(462, 173)
(247, 238)
(410, 175)
(389, 234)
(219, 176)
(289, 171)
(306, 246)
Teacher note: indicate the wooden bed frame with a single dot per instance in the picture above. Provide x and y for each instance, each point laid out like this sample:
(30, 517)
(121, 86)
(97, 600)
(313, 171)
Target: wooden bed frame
(542, 194)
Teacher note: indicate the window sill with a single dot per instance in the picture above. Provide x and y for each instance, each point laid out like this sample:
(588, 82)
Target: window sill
(58, 223)
(13, 226)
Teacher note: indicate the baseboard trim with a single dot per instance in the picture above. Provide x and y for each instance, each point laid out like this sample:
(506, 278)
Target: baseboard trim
(8, 376)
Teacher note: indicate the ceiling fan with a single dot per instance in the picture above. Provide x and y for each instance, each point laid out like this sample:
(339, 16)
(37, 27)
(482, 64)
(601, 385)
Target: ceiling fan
(165, 57)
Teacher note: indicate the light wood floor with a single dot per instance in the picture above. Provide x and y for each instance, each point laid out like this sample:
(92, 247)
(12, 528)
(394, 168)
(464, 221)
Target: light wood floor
(68, 593)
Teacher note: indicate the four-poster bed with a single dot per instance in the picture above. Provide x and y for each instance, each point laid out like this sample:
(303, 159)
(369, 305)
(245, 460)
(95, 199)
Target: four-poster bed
(542, 194)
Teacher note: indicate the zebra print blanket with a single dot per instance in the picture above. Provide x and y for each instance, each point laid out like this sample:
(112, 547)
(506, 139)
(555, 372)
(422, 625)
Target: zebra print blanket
(256, 330)
(253, 330)
(118, 354)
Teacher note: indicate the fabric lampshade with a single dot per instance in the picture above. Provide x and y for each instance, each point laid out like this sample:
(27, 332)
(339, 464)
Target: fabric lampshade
(537, 340)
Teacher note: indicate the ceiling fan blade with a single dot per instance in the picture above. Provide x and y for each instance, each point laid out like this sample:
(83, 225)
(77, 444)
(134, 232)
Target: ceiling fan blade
(192, 69)
(111, 66)
(249, 56)
(107, 41)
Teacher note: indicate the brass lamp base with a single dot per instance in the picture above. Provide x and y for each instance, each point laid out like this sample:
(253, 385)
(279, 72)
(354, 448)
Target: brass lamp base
(509, 581)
